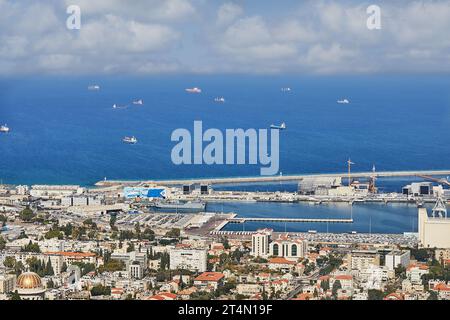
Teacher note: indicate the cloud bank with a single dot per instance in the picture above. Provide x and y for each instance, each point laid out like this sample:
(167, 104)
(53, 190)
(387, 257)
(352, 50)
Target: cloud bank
(200, 36)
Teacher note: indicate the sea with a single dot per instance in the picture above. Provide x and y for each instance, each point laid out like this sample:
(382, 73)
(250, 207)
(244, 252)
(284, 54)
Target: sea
(63, 133)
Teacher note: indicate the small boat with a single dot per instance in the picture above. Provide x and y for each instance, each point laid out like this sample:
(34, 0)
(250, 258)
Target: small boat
(287, 89)
(194, 90)
(130, 140)
(344, 101)
(4, 129)
(280, 127)
(139, 102)
(219, 99)
(116, 106)
(94, 87)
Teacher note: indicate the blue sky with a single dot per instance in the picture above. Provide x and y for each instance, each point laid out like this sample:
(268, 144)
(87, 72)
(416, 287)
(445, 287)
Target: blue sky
(216, 37)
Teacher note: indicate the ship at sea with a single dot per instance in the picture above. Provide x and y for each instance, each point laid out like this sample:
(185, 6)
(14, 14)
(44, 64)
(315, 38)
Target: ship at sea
(130, 140)
(94, 87)
(194, 90)
(4, 129)
(344, 101)
(219, 99)
(139, 102)
(178, 206)
(280, 127)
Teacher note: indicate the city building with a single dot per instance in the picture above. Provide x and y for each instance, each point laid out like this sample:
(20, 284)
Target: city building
(48, 191)
(7, 283)
(362, 259)
(395, 258)
(434, 232)
(260, 243)
(136, 270)
(289, 248)
(189, 259)
(209, 280)
(29, 286)
(414, 273)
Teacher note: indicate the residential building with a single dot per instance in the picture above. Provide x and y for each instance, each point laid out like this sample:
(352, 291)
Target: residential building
(189, 259)
(395, 258)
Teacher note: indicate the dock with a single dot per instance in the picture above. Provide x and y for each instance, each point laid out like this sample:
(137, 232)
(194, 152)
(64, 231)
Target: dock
(289, 220)
(271, 179)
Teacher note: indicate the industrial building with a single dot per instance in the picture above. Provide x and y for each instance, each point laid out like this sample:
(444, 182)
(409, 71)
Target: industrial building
(418, 189)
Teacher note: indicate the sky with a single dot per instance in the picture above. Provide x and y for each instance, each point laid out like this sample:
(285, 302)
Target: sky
(218, 37)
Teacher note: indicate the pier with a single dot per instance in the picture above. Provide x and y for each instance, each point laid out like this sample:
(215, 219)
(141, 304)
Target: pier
(289, 220)
(280, 178)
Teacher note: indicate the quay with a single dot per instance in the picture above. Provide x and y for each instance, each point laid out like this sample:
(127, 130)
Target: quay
(279, 178)
(289, 220)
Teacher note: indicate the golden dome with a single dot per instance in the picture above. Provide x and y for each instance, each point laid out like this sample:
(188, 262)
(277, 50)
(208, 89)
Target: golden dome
(29, 280)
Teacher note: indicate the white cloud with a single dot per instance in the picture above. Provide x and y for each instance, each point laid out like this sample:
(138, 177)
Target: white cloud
(198, 36)
(148, 10)
(228, 13)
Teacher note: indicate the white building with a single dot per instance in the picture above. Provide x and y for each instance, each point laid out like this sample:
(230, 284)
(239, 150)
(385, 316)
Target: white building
(43, 191)
(396, 258)
(414, 273)
(363, 259)
(136, 270)
(374, 277)
(260, 243)
(289, 248)
(190, 259)
(7, 283)
(434, 232)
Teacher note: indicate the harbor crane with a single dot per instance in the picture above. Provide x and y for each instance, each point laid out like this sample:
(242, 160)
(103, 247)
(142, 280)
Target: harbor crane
(441, 181)
(439, 210)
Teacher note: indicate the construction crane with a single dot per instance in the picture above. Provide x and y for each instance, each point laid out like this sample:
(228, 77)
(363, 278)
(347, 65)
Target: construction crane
(349, 163)
(372, 186)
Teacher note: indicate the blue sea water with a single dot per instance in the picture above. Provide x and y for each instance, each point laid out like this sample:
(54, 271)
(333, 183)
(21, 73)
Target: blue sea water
(63, 133)
(368, 218)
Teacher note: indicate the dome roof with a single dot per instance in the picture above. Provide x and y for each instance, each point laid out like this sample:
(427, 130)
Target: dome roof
(29, 280)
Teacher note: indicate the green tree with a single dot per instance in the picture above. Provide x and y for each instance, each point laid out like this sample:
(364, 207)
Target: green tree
(48, 271)
(148, 234)
(130, 247)
(15, 296)
(325, 285)
(336, 286)
(9, 262)
(31, 247)
(27, 214)
(375, 294)
(174, 233)
(2, 243)
(100, 290)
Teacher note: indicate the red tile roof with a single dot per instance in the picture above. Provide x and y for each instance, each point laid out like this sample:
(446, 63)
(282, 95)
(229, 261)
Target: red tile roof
(280, 260)
(344, 277)
(210, 276)
(72, 254)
